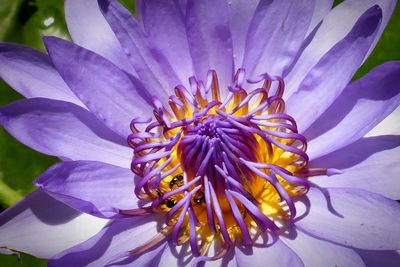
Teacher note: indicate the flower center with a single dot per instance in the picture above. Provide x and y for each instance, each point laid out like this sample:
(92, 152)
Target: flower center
(221, 170)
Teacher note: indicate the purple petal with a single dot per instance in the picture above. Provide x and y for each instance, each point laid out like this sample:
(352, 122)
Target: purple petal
(164, 23)
(315, 253)
(276, 32)
(153, 68)
(375, 172)
(351, 217)
(64, 130)
(276, 254)
(321, 9)
(119, 236)
(336, 25)
(89, 29)
(210, 41)
(106, 90)
(240, 14)
(329, 77)
(92, 187)
(358, 109)
(374, 258)
(31, 73)
(42, 226)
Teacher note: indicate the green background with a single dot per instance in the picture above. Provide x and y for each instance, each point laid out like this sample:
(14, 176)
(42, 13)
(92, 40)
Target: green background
(23, 21)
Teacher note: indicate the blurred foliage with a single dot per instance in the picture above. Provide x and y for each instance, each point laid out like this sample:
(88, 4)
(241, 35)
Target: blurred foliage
(24, 260)
(25, 21)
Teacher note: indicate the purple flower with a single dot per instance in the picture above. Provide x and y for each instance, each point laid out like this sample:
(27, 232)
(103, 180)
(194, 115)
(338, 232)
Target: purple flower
(225, 132)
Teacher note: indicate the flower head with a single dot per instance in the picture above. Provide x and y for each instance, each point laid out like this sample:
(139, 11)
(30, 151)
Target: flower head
(219, 168)
(220, 131)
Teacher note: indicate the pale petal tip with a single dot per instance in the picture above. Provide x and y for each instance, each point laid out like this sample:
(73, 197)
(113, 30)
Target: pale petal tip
(333, 171)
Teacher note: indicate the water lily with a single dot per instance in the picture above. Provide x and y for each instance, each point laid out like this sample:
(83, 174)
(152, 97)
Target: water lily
(218, 132)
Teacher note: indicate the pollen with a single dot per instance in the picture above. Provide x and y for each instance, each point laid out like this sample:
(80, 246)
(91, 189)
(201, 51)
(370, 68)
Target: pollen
(220, 168)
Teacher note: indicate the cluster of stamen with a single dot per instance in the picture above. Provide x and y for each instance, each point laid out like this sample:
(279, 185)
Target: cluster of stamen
(221, 169)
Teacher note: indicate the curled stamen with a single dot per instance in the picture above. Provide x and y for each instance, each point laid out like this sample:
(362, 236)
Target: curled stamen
(219, 169)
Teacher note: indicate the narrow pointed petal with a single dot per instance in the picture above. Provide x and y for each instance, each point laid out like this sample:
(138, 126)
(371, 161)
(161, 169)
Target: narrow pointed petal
(336, 25)
(108, 92)
(92, 187)
(276, 32)
(241, 13)
(42, 226)
(64, 130)
(89, 29)
(164, 23)
(116, 238)
(357, 110)
(153, 69)
(277, 253)
(315, 253)
(31, 73)
(339, 215)
(210, 41)
(324, 83)
(375, 166)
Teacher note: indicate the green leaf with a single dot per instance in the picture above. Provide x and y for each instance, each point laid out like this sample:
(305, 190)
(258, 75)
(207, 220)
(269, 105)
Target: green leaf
(129, 4)
(46, 21)
(33, 19)
(24, 260)
(8, 16)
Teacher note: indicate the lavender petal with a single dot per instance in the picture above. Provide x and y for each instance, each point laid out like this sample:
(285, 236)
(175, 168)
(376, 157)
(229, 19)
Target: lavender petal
(336, 25)
(115, 239)
(371, 164)
(42, 226)
(277, 253)
(338, 215)
(314, 252)
(276, 32)
(31, 73)
(209, 37)
(361, 106)
(65, 130)
(89, 29)
(92, 187)
(165, 25)
(327, 79)
(107, 91)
